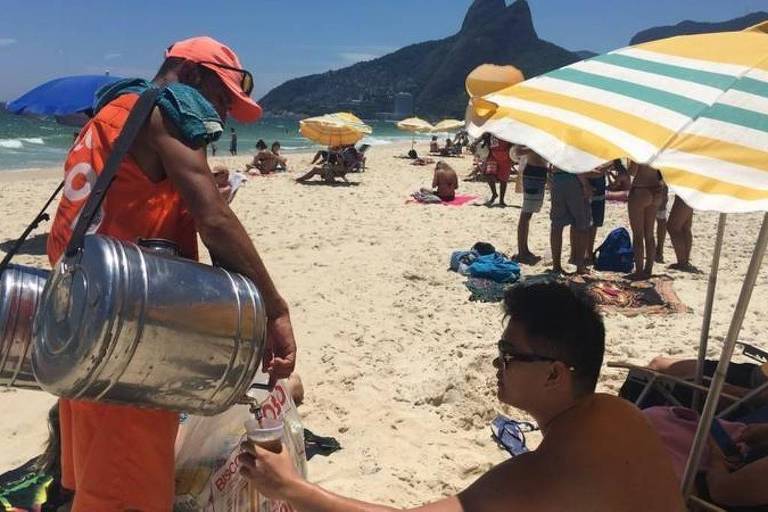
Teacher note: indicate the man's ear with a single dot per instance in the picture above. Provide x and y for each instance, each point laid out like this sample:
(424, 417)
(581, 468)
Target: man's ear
(558, 375)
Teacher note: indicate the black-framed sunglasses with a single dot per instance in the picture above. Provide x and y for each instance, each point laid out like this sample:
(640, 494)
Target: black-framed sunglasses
(506, 357)
(246, 82)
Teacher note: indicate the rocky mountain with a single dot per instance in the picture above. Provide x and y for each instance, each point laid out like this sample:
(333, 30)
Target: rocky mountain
(433, 72)
(694, 27)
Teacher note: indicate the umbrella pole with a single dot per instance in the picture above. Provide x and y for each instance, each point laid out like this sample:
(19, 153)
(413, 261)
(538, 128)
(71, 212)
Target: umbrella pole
(716, 386)
(704, 340)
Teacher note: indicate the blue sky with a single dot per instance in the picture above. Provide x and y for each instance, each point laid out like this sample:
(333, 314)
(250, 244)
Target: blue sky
(282, 39)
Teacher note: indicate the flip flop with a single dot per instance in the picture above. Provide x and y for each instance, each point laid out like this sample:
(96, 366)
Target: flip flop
(509, 434)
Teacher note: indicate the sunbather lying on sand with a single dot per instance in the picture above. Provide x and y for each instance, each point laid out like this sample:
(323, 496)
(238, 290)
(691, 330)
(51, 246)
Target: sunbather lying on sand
(550, 370)
(328, 172)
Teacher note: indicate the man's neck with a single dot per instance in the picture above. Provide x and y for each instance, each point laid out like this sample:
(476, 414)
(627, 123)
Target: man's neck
(563, 414)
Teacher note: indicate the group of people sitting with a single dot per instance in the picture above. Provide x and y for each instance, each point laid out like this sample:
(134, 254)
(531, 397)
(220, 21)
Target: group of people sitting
(450, 148)
(579, 201)
(336, 162)
(267, 161)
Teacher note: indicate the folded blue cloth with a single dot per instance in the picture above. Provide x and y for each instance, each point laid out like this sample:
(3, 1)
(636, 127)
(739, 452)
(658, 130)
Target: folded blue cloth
(495, 267)
(193, 116)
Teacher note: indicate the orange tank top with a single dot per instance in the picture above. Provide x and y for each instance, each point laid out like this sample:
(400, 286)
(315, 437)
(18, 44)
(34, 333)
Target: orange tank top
(134, 206)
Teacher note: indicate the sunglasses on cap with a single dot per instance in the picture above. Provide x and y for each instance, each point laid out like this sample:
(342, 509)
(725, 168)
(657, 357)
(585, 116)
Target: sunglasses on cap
(506, 357)
(246, 80)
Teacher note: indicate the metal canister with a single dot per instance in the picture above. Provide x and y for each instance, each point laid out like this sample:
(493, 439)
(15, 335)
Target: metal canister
(20, 291)
(132, 325)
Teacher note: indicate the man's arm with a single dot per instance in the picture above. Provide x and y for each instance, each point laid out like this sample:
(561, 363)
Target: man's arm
(223, 234)
(275, 477)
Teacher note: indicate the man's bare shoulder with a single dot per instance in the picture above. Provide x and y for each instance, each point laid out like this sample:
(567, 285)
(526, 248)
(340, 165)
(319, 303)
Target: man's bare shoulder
(514, 483)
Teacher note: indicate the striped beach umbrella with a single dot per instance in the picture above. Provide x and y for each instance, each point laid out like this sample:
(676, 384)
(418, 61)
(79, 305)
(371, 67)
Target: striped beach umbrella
(695, 107)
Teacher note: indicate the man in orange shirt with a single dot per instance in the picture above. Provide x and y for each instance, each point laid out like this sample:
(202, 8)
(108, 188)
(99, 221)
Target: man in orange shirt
(119, 458)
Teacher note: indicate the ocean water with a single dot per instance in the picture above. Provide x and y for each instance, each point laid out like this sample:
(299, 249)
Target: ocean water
(27, 141)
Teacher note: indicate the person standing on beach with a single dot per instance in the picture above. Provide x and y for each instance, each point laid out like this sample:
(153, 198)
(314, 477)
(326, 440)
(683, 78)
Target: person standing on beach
(233, 142)
(116, 457)
(533, 170)
(498, 167)
(643, 203)
(598, 453)
(570, 195)
(680, 229)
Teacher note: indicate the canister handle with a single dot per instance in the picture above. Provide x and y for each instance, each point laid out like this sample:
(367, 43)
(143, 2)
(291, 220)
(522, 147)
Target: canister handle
(139, 114)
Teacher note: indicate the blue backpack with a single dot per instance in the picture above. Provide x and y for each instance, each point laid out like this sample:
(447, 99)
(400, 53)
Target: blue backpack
(615, 253)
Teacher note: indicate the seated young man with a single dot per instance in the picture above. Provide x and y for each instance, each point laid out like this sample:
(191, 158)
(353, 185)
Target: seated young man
(445, 181)
(598, 452)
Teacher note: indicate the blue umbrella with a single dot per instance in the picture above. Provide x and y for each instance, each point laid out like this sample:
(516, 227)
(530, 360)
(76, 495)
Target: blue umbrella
(62, 96)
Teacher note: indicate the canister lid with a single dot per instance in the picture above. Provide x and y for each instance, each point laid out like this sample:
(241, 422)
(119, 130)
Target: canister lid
(71, 326)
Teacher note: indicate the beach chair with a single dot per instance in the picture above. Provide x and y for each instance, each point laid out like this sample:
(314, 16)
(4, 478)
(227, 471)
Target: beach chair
(662, 384)
(357, 160)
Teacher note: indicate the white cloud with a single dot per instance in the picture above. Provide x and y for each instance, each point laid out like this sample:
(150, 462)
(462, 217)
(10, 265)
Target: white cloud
(112, 56)
(6, 41)
(357, 56)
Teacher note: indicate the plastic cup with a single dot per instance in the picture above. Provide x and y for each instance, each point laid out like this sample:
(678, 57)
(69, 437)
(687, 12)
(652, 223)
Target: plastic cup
(268, 434)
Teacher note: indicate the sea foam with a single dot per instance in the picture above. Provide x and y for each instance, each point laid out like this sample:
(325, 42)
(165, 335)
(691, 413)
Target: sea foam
(11, 143)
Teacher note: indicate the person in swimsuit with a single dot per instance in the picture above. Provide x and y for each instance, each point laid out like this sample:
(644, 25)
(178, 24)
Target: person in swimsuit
(679, 227)
(645, 196)
(534, 173)
(445, 181)
(661, 224)
(498, 167)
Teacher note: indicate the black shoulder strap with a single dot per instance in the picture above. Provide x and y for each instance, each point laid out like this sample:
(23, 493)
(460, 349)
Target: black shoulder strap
(139, 114)
(42, 216)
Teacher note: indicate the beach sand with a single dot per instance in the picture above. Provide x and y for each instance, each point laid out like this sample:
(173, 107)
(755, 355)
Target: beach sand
(396, 361)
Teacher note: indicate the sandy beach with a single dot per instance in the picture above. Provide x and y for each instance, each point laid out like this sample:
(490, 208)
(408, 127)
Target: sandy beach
(396, 361)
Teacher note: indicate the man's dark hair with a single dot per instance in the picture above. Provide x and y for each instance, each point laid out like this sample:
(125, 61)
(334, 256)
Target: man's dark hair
(169, 64)
(260, 144)
(563, 325)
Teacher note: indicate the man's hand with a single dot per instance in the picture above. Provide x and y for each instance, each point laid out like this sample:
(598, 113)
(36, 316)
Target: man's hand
(273, 474)
(221, 177)
(280, 352)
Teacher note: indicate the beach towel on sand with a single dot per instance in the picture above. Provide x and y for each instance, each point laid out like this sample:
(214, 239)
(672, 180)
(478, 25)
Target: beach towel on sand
(655, 296)
(459, 200)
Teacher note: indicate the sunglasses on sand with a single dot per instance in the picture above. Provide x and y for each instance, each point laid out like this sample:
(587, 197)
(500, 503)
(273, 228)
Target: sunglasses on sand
(506, 357)
(246, 80)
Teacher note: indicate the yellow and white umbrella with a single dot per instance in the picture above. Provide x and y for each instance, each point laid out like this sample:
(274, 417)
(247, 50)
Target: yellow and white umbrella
(415, 125)
(448, 125)
(340, 128)
(695, 107)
